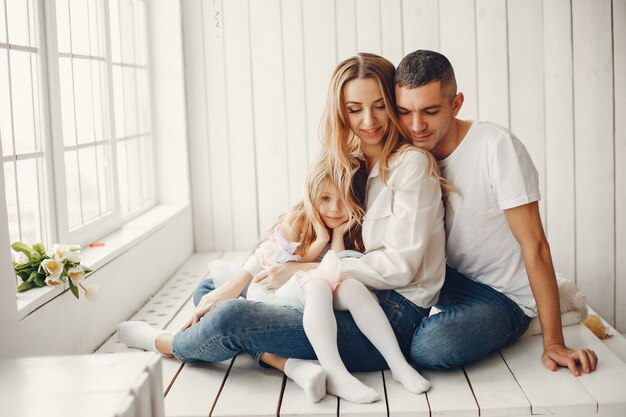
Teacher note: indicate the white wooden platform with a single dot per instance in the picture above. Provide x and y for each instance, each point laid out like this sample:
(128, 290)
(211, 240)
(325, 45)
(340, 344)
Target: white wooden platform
(512, 382)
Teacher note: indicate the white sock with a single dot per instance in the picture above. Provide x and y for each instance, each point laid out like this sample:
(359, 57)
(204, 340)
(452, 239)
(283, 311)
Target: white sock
(352, 295)
(341, 383)
(321, 329)
(138, 334)
(309, 376)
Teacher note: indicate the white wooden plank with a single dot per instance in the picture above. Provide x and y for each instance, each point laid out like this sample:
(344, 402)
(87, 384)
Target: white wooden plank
(217, 119)
(402, 402)
(262, 388)
(457, 32)
(450, 393)
(172, 366)
(68, 375)
(526, 81)
(495, 388)
(559, 199)
(492, 61)
(320, 59)
(391, 30)
(196, 387)
(616, 343)
(373, 380)
(420, 24)
(619, 94)
(606, 384)
(240, 122)
(369, 33)
(295, 98)
(593, 129)
(193, 43)
(346, 26)
(108, 404)
(269, 111)
(294, 403)
(548, 392)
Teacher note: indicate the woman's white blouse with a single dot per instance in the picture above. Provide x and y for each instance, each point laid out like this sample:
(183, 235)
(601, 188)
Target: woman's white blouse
(403, 232)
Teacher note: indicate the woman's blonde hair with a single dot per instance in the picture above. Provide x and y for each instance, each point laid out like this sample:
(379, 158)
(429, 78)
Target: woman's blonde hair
(320, 176)
(343, 145)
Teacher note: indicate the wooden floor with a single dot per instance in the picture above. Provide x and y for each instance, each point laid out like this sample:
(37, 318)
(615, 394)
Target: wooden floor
(512, 382)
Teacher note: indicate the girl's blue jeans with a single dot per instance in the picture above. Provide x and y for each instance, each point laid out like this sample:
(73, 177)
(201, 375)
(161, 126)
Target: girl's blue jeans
(476, 320)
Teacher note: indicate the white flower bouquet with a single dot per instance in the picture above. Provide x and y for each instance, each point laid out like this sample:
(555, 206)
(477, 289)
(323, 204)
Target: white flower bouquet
(37, 267)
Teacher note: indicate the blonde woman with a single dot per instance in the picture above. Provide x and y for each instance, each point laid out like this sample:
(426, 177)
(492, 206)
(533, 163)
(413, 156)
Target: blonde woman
(403, 236)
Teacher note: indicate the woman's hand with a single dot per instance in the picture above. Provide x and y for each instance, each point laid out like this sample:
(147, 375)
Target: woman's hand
(229, 291)
(275, 276)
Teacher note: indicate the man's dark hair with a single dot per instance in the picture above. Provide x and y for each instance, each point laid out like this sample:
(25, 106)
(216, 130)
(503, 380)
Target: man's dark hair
(423, 67)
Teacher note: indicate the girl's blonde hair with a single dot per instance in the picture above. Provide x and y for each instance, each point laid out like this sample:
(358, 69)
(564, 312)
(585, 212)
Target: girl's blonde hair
(343, 145)
(320, 176)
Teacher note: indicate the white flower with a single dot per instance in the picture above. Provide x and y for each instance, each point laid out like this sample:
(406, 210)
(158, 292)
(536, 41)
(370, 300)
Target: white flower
(21, 258)
(91, 293)
(72, 257)
(75, 248)
(76, 274)
(53, 280)
(59, 252)
(52, 267)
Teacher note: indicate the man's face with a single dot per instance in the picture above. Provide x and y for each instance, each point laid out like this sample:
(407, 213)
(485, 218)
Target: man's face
(426, 113)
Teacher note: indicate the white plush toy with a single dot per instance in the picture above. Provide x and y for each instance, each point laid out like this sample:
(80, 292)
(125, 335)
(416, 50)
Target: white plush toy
(573, 306)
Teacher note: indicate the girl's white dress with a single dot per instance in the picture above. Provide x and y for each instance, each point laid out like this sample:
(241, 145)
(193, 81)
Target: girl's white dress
(274, 250)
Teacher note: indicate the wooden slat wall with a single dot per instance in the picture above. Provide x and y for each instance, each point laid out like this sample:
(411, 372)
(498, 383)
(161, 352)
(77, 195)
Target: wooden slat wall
(552, 71)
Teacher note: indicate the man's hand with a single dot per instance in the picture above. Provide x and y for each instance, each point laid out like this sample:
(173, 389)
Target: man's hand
(560, 355)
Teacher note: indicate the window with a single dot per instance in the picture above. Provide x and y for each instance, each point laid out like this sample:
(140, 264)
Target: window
(74, 119)
(21, 127)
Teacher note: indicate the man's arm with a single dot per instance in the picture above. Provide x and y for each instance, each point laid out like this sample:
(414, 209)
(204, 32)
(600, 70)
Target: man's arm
(525, 224)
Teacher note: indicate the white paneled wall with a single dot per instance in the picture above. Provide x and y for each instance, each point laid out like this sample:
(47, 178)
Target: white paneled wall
(553, 71)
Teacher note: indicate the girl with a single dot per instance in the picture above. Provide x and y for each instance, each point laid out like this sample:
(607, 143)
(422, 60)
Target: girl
(402, 230)
(320, 222)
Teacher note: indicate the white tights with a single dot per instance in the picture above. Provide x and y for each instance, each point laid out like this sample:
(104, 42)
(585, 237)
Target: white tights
(321, 329)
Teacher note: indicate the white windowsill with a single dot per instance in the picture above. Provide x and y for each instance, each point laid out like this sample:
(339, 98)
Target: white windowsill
(115, 244)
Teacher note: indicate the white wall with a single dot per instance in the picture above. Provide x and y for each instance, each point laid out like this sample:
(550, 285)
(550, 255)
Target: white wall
(552, 71)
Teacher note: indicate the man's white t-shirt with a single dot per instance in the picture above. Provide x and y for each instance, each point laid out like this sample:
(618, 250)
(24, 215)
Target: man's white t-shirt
(493, 172)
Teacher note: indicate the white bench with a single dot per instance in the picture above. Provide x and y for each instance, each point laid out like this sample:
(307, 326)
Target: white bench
(512, 382)
(124, 385)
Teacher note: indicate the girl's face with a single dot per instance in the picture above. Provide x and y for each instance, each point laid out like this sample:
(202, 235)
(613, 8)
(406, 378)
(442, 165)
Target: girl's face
(330, 207)
(366, 111)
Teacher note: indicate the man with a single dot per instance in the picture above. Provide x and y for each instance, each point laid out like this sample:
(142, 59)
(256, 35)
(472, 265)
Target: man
(499, 268)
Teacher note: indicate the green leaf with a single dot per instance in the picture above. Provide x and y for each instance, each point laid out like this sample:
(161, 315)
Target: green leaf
(24, 274)
(40, 279)
(39, 248)
(24, 267)
(87, 270)
(74, 289)
(32, 276)
(25, 286)
(22, 247)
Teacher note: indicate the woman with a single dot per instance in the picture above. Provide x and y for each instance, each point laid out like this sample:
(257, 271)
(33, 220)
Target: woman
(403, 235)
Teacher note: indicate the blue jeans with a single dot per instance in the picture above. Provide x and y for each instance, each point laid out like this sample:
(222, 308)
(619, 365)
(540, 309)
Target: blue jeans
(475, 320)
(247, 326)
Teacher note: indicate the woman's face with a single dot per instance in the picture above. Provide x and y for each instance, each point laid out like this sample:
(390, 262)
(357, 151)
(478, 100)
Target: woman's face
(366, 111)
